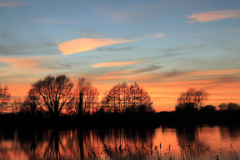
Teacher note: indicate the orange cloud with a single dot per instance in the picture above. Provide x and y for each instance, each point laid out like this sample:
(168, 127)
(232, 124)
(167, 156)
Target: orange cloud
(115, 64)
(214, 15)
(24, 65)
(157, 35)
(87, 44)
(20, 62)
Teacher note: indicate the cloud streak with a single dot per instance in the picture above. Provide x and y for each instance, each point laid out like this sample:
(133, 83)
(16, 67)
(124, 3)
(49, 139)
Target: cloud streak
(115, 64)
(54, 21)
(17, 62)
(214, 15)
(157, 35)
(88, 44)
(130, 72)
(10, 4)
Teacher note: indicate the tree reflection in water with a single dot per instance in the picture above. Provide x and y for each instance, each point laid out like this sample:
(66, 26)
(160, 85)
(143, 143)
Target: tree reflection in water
(74, 143)
(190, 144)
(229, 132)
(116, 143)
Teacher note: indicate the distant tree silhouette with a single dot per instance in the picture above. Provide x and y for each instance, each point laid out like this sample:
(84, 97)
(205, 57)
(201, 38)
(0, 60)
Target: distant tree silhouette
(123, 97)
(223, 106)
(233, 106)
(55, 92)
(4, 98)
(32, 102)
(86, 96)
(191, 100)
(16, 105)
(230, 106)
(105, 102)
(208, 108)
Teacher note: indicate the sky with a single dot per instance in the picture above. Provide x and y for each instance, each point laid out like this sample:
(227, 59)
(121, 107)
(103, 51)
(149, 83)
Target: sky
(166, 46)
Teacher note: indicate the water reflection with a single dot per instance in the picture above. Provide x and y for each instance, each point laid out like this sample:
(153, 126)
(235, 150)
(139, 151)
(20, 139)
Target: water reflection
(229, 132)
(190, 143)
(110, 143)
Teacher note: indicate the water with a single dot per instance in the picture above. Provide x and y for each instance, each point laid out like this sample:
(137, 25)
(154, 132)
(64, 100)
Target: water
(165, 143)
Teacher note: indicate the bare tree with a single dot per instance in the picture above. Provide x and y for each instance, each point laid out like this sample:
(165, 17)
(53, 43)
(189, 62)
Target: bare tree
(113, 97)
(191, 100)
(55, 92)
(32, 102)
(86, 96)
(4, 98)
(122, 96)
(16, 105)
(80, 93)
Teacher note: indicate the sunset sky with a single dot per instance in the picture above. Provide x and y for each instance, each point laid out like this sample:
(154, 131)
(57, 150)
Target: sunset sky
(166, 46)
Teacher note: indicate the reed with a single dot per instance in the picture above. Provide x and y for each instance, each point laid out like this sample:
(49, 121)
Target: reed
(156, 153)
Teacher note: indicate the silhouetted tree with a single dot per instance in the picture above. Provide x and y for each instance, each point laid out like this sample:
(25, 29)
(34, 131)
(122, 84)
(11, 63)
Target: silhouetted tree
(55, 92)
(134, 92)
(123, 97)
(230, 106)
(4, 98)
(191, 100)
(16, 105)
(113, 97)
(105, 102)
(233, 106)
(87, 96)
(80, 91)
(208, 108)
(223, 106)
(32, 102)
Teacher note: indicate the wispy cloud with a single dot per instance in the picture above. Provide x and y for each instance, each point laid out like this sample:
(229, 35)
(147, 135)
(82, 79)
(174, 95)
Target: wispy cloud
(137, 71)
(197, 44)
(54, 21)
(17, 62)
(115, 64)
(37, 63)
(87, 44)
(234, 30)
(157, 35)
(214, 15)
(10, 4)
(115, 49)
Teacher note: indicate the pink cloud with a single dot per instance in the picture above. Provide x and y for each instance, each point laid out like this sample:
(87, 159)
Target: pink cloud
(87, 44)
(17, 62)
(24, 65)
(157, 35)
(214, 15)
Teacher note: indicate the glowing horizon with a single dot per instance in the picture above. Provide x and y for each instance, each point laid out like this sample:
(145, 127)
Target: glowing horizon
(165, 46)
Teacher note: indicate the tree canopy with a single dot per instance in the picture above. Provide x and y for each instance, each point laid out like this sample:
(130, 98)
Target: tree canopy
(122, 96)
(55, 92)
(4, 97)
(191, 100)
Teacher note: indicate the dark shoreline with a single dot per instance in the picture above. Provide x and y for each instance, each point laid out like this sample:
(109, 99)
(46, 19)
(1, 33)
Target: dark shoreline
(27, 121)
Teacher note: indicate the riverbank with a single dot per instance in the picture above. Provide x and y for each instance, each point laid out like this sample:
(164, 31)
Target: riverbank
(106, 120)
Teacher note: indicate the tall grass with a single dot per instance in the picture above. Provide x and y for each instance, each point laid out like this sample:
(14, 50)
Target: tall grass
(150, 152)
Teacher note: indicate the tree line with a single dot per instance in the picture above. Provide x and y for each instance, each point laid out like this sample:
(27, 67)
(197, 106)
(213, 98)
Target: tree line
(57, 95)
(192, 100)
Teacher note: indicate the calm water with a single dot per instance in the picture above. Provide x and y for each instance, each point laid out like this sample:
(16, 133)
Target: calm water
(179, 143)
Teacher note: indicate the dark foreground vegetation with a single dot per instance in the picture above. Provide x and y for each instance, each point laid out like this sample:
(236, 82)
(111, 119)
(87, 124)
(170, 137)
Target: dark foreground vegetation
(129, 120)
(54, 102)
